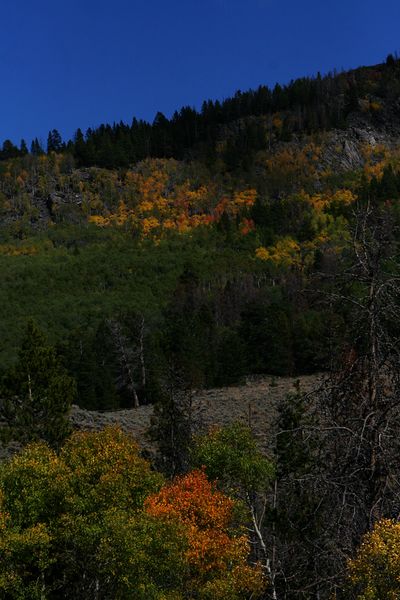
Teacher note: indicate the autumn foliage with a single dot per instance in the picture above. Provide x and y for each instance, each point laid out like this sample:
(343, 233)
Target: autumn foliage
(207, 514)
(375, 571)
(97, 517)
(159, 199)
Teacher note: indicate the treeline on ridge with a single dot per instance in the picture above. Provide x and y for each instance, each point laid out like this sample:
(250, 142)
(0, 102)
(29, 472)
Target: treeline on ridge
(247, 122)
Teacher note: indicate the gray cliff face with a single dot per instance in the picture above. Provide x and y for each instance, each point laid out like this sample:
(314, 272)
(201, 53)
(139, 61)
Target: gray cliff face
(342, 149)
(345, 150)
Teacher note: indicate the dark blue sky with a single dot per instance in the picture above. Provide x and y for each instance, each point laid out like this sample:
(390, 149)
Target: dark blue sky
(77, 63)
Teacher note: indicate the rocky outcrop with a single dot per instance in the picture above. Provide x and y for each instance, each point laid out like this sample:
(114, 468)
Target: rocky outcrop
(255, 403)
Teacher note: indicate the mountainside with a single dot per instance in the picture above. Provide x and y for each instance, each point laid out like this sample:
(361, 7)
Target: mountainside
(225, 219)
(238, 263)
(332, 124)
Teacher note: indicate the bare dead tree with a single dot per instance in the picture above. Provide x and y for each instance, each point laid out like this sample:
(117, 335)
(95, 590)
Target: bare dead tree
(141, 350)
(351, 425)
(130, 356)
(359, 405)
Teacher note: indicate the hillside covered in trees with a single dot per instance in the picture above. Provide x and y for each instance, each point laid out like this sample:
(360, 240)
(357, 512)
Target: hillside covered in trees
(141, 262)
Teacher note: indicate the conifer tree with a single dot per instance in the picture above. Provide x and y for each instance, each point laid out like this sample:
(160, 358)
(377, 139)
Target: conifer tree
(54, 141)
(36, 147)
(23, 148)
(36, 394)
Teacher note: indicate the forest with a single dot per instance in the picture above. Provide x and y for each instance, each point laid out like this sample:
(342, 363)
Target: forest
(144, 262)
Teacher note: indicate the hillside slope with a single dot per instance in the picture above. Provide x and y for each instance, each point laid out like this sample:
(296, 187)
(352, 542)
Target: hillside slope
(213, 244)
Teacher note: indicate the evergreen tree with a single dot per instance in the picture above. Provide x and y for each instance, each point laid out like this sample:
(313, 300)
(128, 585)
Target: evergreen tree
(36, 148)
(54, 141)
(390, 60)
(9, 150)
(23, 148)
(267, 334)
(172, 422)
(36, 394)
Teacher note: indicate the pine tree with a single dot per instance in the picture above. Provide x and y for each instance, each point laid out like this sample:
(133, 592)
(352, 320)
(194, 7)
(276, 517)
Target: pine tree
(9, 150)
(54, 141)
(172, 422)
(23, 148)
(36, 394)
(36, 148)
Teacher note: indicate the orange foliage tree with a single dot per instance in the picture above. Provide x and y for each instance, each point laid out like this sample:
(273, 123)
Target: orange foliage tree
(159, 196)
(217, 555)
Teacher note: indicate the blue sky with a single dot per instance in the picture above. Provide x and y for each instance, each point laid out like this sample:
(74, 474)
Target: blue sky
(68, 64)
